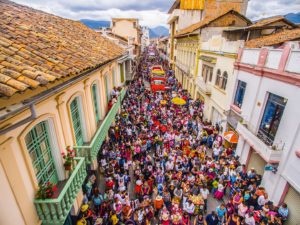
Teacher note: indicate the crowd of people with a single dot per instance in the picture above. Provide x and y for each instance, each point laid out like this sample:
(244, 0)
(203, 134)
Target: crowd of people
(162, 164)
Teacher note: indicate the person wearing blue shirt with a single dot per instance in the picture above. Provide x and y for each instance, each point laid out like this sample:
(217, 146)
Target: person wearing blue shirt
(283, 211)
(221, 212)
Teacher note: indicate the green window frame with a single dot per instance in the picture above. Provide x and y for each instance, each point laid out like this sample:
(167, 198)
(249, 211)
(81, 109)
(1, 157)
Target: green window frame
(76, 121)
(38, 144)
(95, 98)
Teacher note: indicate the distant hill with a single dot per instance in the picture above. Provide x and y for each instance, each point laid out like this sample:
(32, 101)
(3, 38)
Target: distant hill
(293, 17)
(94, 24)
(159, 31)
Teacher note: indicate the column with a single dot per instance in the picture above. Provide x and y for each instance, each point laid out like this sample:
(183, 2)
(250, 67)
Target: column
(61, 107)
(90, 108)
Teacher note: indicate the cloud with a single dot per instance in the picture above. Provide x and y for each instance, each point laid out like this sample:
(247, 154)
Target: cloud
(258, 9)
(150, 12)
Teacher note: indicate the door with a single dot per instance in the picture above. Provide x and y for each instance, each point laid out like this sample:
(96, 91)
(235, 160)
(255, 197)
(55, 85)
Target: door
(256, 162)
(292, 199)
(76, 121)
(39, 147)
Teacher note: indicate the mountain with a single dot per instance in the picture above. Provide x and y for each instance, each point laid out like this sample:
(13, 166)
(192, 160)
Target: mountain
(94, 24)
(159, 31)
(293, 17)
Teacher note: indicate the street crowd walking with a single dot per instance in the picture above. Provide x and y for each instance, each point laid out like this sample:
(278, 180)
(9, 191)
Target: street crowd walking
(162, 163)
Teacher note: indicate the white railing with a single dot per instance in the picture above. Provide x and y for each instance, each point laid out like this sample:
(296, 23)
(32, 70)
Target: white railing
(205, 87)
(293, 62)
(250, 56)
(273, 59)
(267, 153)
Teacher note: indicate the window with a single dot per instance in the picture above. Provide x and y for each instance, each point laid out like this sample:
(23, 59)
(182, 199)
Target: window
(224, 80)
(207, 72)
(271, 118)
(96, 101)
(39, 148)
(218, 78)
(76, 121)
(239, 94)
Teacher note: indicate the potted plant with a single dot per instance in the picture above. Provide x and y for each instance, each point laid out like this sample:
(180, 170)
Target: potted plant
(68, 157)
(46, 190)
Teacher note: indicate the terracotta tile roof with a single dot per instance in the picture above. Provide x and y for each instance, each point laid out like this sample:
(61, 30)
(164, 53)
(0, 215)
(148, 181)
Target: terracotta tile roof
(268, 21)
(274, 39)
(206, 21)
(37, 48)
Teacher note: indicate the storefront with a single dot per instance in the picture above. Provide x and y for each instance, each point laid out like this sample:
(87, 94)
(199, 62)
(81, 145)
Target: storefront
(292, 199)
(256, 161)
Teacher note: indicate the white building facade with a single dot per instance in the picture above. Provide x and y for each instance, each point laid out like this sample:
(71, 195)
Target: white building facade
(267, 101)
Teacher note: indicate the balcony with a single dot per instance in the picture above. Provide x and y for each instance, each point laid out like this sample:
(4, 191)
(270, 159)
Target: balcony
(90, 151)
(269, 154)
(55, 211)
(204, 87)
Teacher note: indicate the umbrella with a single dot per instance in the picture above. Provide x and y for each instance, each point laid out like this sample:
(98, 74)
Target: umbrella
(231, 137)
(178, 101)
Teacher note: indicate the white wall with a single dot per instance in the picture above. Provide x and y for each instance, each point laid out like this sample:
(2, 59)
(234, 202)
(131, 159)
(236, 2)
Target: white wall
(250, 56)
(273, 58)
(293, 62)
(288, 134)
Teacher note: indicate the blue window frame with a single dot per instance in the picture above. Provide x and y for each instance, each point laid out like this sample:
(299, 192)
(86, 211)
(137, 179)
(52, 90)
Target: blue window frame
(271, 118)
(239, 94)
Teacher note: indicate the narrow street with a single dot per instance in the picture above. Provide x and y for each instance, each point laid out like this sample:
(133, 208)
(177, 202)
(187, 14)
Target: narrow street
(159, 149)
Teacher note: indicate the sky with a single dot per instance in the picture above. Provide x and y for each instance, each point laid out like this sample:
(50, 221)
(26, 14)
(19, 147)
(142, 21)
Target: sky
(151, 13)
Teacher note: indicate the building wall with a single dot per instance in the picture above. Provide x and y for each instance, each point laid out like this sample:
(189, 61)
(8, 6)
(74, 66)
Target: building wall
(125, 28)
(17, 176)
(253, 106)
(212, 7)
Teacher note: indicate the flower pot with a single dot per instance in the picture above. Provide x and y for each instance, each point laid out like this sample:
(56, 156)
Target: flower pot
(68, 167)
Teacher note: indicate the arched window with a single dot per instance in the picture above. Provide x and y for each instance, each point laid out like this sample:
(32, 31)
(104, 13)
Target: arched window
(224, 80)
(77, 121)
(38, 143)
(96, 102)
(218, 78)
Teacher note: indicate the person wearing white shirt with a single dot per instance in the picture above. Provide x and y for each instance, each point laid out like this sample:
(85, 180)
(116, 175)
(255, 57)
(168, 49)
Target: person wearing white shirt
(189, 207)
(249, 219)
(262, 200)
(204, 193)
(169, 165)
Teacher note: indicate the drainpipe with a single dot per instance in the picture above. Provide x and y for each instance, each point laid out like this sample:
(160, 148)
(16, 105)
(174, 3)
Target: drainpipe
(22, 122)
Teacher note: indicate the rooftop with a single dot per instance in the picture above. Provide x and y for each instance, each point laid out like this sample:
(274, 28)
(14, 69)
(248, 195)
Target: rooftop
(206, 21)
(274, 39)
(37, 48)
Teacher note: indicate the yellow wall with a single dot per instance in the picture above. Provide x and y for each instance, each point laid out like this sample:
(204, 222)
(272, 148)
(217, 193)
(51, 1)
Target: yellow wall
(17, 176)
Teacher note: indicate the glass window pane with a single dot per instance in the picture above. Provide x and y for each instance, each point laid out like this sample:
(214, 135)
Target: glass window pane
(271, 118)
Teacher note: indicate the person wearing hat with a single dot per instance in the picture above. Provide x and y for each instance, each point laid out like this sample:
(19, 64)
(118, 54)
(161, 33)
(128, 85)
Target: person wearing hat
(86, 213)
(81, 220)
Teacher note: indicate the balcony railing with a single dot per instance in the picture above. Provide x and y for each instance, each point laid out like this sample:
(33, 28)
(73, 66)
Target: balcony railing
(90, 151)
(55, 211)
(204, 87)
(268, 154)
